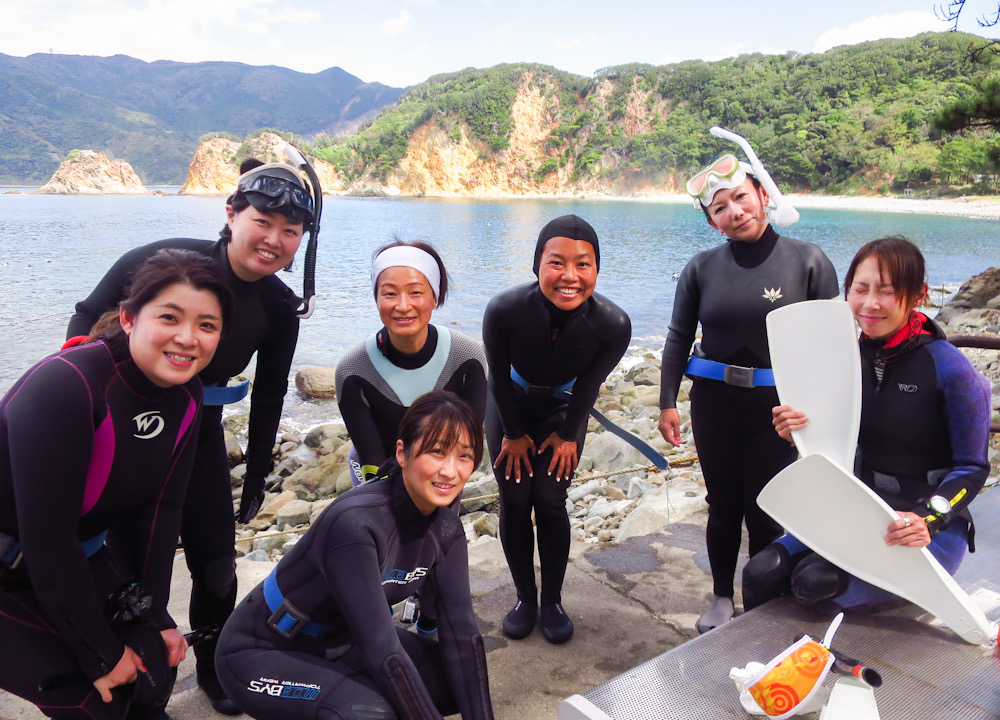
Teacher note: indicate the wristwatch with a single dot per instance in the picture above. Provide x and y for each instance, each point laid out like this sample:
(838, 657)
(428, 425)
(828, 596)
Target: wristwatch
(939, 505)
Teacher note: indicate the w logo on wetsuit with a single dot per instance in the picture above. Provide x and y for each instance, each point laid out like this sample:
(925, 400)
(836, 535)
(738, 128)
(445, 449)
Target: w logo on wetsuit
(149, 424)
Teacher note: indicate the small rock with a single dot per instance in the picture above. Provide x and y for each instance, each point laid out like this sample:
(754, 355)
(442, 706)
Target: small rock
(294, 513)
(604, 535)
(233, 450)
(317, 382)
(488, 524)
(615, 493)
(258, 556)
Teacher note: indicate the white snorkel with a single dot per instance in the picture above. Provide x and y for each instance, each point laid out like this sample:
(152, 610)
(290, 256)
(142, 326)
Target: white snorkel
(782, 214)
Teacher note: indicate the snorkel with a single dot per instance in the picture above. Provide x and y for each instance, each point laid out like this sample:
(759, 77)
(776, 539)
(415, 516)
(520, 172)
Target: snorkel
(782, 214)
(308, 304)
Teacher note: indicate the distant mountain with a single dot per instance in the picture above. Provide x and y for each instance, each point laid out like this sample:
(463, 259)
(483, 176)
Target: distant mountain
(153, 114)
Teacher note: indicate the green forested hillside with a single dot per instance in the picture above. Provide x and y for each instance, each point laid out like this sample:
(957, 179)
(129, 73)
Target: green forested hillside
(153, 114)
(855, 118)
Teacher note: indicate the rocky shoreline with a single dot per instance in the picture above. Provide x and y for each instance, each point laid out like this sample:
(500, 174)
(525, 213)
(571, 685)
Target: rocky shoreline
(616, 494)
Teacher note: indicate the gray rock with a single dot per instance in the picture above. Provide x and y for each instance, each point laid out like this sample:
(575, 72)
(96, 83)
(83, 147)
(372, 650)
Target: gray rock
(319, 478)
(637, 488)
(237, 474)
(973, 294)
(296, 512)
(233, 450)
(484, 486)
(601, 509)
(258, 556)
(287, 466)
(581, 491)
(488, 524)
(611, 453)
(236, 423)
(585, 464)
(318, 507)
(290, 543)
(287, 446)
(269, 544)
(317, 382)
(592, 522)
(471, 517)
(336, 432)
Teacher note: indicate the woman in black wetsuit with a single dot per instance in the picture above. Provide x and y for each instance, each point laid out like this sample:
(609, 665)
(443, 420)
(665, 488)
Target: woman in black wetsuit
(316, 640)
(104, 510)
(729, 290)
(378, 379)
(267, 217)
(542, 339)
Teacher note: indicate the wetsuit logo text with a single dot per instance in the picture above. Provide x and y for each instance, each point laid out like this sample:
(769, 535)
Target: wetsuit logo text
(907, 388)
(149, 424)
(284, 689)
(401, 577)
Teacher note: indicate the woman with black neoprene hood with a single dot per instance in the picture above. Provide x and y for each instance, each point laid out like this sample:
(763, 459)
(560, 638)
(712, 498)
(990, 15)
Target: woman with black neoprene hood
(543, 339)
(267, 217)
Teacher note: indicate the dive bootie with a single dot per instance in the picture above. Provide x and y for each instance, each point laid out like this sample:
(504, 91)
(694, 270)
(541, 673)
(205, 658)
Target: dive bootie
(520, 621)
(721, 612)
(556, 625)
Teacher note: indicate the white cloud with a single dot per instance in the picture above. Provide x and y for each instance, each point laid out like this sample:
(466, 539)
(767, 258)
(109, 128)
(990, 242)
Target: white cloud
(396, 25)
(900, 25)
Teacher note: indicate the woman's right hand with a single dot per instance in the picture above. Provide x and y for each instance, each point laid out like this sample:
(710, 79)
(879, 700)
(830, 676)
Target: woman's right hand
(670, 426)
(124, 672)
(516, 452)
(785, 420)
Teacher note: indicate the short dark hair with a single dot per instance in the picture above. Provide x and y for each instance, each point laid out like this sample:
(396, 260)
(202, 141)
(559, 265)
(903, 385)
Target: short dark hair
(899, 261)
(167, 267)
(438, 418)
(427, 248)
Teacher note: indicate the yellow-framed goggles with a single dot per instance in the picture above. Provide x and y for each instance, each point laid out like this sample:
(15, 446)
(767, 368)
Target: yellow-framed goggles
(724, 168)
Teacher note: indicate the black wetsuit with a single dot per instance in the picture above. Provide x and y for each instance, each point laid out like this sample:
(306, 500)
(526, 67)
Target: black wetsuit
(372, 410)
(730, 289)
(370, 548)
(87, 445)
(263, 322)
(547, 347)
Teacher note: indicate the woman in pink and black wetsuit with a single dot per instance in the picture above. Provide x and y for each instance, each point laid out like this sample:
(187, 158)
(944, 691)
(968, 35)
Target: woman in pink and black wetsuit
(102, 509)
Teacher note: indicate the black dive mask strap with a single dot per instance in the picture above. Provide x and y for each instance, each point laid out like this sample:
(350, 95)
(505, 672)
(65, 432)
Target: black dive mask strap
(308, 303)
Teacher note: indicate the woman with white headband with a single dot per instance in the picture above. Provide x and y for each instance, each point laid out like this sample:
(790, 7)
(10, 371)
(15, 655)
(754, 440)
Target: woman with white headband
(380, 378)
(729, 290)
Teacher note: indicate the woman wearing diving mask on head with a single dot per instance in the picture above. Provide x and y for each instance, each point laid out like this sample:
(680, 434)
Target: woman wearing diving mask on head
(729, 290)
(267, 216)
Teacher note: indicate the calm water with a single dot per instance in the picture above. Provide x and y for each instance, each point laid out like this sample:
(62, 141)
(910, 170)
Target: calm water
(53, 249)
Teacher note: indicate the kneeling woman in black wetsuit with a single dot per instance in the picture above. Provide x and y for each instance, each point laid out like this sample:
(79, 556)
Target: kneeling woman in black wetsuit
(543, 338)
(103, 509)
(316, 639)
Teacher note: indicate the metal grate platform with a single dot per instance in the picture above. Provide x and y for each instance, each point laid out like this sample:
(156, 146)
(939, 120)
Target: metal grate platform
(929, 672)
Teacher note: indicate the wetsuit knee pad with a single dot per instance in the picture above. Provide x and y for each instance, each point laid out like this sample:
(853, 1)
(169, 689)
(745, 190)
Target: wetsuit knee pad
(816, 580)
(219, 577)
(766, 575)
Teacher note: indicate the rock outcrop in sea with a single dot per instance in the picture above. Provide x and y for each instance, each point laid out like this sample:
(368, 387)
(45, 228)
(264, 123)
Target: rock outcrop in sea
(215, 167)
(87, 172)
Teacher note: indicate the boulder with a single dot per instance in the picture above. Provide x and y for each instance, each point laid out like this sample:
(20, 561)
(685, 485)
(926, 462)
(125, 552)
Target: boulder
(269, 511)
(975, 294)
(318, 479)
(326, 438)
(233, 450)
(317, 382)
(297, 512)
(488, 524)
(661, 506)
(484, 486)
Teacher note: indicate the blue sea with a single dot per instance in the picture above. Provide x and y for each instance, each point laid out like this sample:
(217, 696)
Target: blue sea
(53, 249)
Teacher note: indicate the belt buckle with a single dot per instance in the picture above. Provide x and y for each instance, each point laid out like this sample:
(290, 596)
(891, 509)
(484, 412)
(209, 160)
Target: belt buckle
(536, 392)
(738, 376)
(288, 609)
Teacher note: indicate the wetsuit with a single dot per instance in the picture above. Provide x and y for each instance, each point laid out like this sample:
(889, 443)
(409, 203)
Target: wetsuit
(730, 289)
(548, 347)
(121, 461)
(373, 398)
(924, 431)
(263, 322)
(370, 548)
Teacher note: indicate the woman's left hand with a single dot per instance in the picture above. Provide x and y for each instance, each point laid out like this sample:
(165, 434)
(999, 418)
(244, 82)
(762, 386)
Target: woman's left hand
(176, 646)
(563, 456)
(909, 531)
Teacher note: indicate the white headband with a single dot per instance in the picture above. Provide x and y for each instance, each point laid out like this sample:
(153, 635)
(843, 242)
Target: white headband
(411, 257)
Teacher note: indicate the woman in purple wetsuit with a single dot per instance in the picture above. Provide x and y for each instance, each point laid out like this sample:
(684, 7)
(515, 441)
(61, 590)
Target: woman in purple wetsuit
(96, 446)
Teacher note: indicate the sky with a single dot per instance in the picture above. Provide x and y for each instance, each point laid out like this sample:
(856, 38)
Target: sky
(403, 42)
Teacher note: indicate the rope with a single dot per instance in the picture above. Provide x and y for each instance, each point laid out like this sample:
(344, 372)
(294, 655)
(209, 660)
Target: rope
(676, 461)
